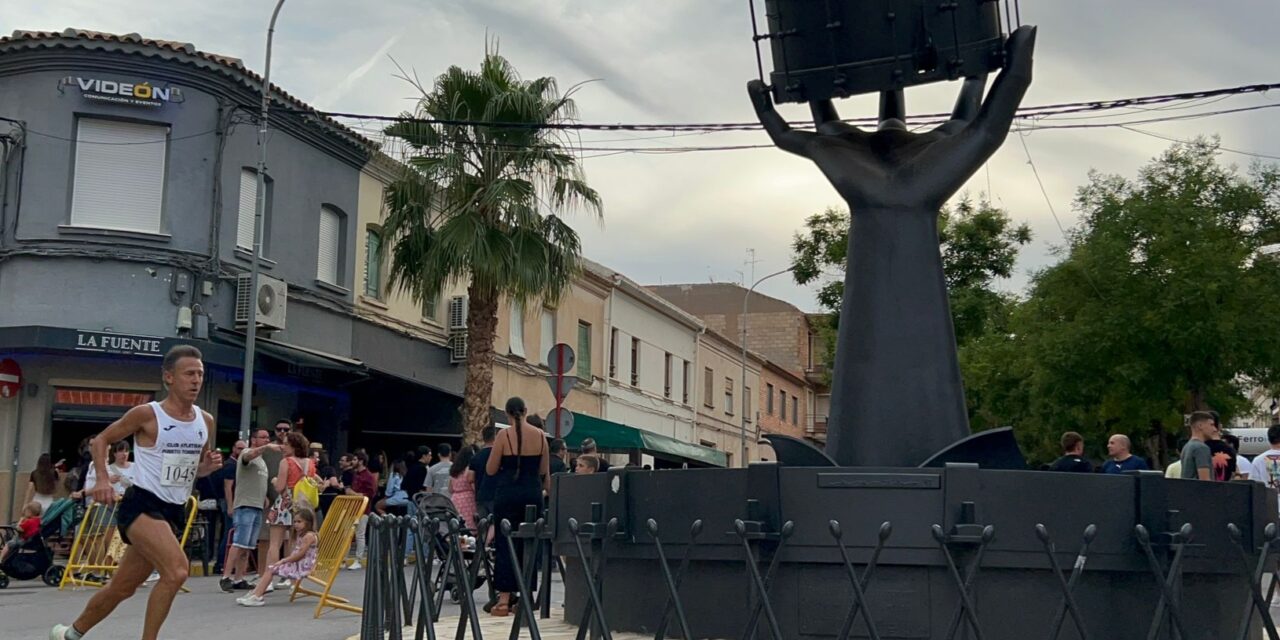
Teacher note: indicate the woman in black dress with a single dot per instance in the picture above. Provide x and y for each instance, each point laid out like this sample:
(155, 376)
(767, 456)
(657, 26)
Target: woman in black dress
(519, 467)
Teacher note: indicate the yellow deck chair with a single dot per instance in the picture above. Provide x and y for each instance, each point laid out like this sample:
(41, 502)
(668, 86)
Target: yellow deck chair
(335, 536)
(97, 547)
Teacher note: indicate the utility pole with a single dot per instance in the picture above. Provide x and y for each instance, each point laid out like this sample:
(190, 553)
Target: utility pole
(745, 301)
(251, 331)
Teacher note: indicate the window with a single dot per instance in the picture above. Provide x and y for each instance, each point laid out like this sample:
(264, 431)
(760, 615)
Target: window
(768, 399)
(548, 333)
(685, 374)
(517, 328)
(782, 404)
(635, 362)
(119, 175)
(666, 376)
(613, 354)
(248, 209)
(728, 396)
(795, 410)
(431, 309)
(708, 387)
(372, 264)
(330, 256)
(746, 403)
(584, 350)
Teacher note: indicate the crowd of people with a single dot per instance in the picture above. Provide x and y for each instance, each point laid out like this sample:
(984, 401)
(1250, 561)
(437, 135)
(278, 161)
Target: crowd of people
(266, 502)
(1208, 453)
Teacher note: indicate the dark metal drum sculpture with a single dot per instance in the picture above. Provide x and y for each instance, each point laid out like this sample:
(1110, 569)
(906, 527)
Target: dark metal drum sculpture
(826, 49)
(922, 530)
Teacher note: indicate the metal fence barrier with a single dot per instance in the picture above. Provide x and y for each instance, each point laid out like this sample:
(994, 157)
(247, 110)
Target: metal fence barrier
(394, 601)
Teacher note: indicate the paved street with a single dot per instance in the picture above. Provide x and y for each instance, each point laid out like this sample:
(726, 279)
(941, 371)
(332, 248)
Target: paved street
(28, 609)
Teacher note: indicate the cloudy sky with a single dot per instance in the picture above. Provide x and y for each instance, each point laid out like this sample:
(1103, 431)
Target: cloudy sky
(692, 217)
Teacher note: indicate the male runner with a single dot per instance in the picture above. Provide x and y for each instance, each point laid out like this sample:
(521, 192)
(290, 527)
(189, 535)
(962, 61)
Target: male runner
(172, 447)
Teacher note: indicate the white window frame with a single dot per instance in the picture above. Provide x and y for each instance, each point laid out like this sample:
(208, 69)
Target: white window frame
(119, 175)
(330, 233)
(547, 333)
(516, 337)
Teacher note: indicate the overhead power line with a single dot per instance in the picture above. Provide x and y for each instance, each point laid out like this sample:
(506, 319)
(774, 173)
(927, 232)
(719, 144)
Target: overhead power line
(1040, 111)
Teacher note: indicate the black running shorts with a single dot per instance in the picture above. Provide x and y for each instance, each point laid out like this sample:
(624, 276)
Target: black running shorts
(140, 502)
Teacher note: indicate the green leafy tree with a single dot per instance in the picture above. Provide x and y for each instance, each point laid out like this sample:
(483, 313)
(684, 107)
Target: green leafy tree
(1159, 307)
(480, 203)
(979, 244)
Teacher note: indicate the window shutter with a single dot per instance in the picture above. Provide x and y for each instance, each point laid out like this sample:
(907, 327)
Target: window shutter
(373, 265)
(119, 175)
(548, 334)
(517, 328)
(248, 208)
(330, 236)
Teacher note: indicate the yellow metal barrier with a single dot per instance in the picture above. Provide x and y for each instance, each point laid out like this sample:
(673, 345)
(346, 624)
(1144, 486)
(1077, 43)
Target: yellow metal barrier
(97, 548)
(335, 535)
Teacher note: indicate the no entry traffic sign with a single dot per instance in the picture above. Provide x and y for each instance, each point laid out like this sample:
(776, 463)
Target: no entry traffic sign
(10, 378)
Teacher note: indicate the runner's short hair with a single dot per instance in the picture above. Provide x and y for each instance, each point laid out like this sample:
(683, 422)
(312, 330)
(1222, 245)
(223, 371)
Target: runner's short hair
(178, 352)
(1273, 434)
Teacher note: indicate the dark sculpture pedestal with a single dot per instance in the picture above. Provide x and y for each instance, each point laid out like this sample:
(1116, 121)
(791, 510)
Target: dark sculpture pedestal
(913, 592)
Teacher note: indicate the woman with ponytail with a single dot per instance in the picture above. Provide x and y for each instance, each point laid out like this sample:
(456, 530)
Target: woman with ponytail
(519, 466)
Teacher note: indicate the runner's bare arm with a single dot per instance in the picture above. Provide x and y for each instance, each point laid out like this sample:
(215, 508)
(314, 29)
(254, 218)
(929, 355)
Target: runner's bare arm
(210, 458)
(128, 425)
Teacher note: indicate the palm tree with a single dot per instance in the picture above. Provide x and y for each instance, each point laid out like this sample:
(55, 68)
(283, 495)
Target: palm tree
(480, 203)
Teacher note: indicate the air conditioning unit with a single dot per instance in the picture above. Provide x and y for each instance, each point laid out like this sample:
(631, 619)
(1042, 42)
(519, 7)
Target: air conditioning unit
(458, 313)
(457, 347)
(271, 298)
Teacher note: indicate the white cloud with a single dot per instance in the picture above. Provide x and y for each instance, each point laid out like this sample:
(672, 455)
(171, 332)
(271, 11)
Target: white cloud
(687, 217)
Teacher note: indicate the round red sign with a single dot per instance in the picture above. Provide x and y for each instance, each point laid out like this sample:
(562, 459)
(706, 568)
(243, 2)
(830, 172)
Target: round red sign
(10, 378)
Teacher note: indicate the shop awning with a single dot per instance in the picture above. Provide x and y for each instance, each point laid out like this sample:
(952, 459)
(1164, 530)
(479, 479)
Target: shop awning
(612, 436)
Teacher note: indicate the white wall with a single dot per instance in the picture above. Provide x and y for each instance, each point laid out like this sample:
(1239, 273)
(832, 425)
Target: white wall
(644, 406)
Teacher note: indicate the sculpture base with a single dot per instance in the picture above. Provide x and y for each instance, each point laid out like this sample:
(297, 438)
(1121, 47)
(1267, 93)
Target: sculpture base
(913, 592)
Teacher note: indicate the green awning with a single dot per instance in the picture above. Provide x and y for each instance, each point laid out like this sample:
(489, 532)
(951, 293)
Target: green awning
(612, 436)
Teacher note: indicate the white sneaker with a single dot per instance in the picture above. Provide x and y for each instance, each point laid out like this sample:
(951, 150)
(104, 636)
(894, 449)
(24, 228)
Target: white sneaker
(251, 601)
(284, 584)
(355, 566)
(154, 577)
(270, 588)
(59, 632)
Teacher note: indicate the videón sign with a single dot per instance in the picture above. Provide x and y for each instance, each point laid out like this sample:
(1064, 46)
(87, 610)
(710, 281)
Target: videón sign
(140, 94)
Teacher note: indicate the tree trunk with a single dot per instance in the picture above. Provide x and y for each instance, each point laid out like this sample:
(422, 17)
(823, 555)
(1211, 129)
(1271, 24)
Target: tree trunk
(482, 323)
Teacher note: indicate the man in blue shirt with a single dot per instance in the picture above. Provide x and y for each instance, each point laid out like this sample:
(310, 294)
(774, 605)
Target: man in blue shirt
(1122, 460)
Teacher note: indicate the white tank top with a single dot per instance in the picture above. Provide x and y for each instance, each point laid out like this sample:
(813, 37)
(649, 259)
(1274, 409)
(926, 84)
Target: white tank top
(168, 469)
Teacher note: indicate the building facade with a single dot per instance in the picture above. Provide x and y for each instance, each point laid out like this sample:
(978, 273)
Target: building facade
(777, 330)
(728, 411)
(126, 219)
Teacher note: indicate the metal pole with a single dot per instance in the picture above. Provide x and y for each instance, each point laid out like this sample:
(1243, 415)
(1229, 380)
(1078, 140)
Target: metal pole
(251, 331)
(17, 451)
(746, 299)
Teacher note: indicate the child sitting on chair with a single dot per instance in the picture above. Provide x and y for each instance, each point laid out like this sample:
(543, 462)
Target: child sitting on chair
(28, 527)
(297, 565)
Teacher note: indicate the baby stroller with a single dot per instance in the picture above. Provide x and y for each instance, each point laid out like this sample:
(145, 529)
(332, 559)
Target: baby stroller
(435, 505)
(34, 559)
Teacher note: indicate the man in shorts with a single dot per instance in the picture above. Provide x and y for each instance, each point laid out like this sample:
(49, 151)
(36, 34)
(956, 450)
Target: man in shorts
(249, 500)
(173, 446)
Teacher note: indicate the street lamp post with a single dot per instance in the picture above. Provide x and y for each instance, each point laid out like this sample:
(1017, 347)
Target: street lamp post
(260, 203)
(745, 300)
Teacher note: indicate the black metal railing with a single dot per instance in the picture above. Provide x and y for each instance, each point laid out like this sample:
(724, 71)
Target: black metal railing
(453, 559)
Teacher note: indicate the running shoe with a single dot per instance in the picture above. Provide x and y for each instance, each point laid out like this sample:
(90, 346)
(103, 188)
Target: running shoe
(251, 601)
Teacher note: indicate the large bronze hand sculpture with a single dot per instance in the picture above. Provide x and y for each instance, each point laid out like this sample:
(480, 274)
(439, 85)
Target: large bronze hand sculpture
(897, 396)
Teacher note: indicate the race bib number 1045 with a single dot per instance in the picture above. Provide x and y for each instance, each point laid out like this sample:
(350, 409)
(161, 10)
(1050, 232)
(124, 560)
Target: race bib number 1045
(180, 469)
